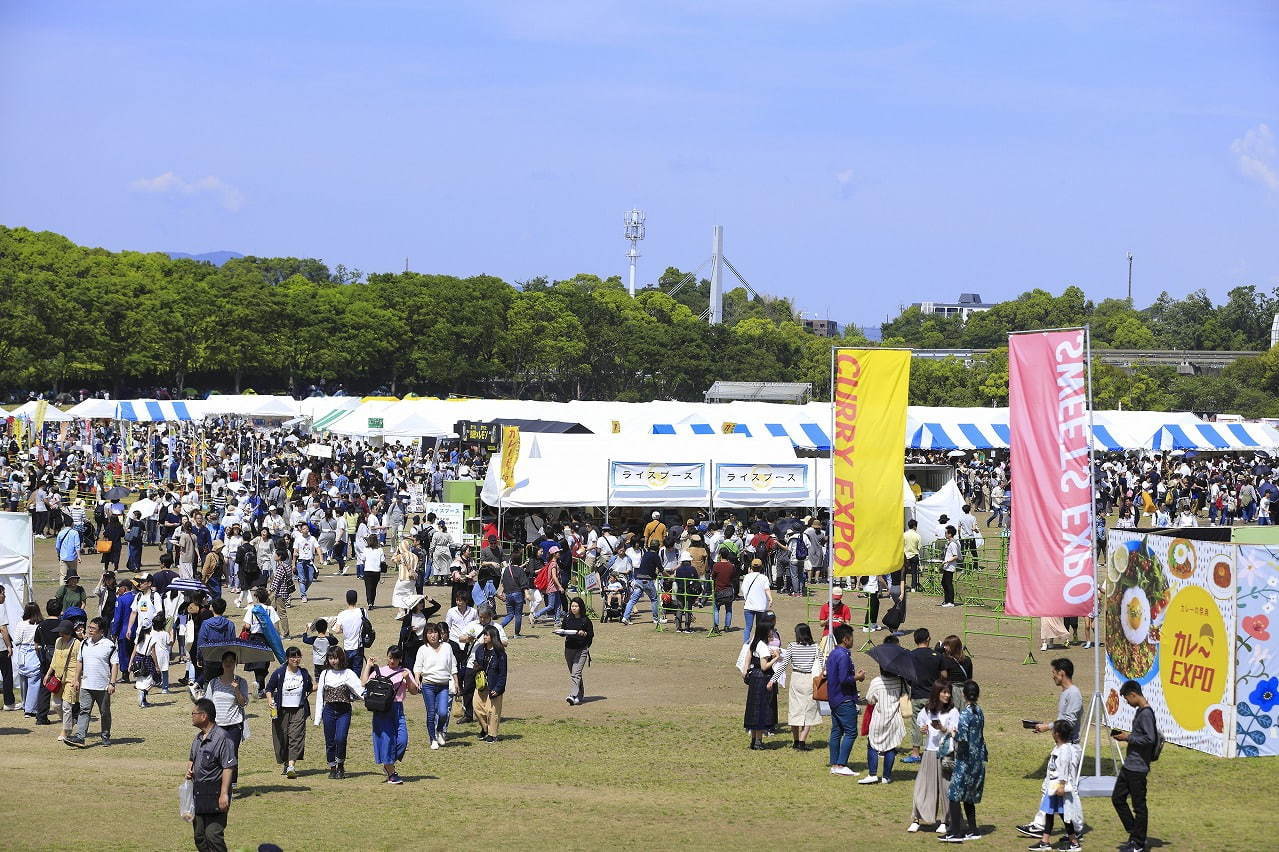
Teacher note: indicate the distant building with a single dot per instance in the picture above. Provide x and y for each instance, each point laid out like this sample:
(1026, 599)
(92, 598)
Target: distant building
(968, 304)
(822, 327)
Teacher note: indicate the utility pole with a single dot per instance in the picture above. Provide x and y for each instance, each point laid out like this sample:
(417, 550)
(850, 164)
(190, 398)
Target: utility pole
(1130, 279)
(717, 281)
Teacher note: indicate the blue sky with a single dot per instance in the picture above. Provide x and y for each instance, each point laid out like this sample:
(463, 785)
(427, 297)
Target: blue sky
(860, 155)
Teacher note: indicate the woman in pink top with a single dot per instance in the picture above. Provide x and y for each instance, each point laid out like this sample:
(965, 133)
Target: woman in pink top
(390, 730)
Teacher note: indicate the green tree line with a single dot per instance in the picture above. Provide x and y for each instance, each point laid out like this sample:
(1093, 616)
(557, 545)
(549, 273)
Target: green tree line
(72, 316)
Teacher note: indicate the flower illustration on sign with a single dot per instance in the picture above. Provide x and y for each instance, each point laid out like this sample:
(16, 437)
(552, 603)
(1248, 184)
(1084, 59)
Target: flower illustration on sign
(1266, 694)
(1257, 626)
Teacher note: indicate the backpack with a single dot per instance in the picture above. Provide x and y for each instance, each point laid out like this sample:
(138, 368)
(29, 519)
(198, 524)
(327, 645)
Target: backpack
(367, 633)
(801, 548)
(379, 693)
(896, 614)
(543, 578)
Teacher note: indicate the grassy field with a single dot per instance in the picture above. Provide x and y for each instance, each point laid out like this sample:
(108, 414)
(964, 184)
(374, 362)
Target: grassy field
(656, 758)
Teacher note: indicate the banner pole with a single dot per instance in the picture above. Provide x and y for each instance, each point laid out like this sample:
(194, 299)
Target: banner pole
(1098, 784)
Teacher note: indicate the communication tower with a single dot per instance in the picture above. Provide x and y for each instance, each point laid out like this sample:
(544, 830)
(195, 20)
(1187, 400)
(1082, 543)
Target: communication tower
(634, 233)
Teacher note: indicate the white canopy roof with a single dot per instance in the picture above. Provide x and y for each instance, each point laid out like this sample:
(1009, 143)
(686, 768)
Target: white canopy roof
(93, 409)
(52, 414)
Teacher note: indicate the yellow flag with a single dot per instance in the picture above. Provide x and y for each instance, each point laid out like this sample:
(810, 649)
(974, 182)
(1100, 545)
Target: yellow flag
(41, 407)
(510, 453)
(868, 460)
(20, 431)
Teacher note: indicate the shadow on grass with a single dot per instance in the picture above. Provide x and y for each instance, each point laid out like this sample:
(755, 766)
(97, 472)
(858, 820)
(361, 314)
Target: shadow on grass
(590, 699)
(258, 790)
(124, 741)
(12, 731)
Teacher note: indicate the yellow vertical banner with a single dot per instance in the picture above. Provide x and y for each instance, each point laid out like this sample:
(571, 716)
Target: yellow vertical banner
(510, 454)
(37, 432)
(868, 460)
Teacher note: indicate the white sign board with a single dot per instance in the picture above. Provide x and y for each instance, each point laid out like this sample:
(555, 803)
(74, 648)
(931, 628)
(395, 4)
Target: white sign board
(451, 514)
(16, 550)
(323, 451)
(661, 483)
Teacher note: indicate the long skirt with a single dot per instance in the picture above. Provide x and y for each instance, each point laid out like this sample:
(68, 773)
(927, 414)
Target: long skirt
(288, 734)
(930, 791)
(761, 702)
(390, 735)
(801, 709)
(1053, 629)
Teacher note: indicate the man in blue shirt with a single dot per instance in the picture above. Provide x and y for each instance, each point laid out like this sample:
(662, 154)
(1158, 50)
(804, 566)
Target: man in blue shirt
(841, 686)
(68, 545)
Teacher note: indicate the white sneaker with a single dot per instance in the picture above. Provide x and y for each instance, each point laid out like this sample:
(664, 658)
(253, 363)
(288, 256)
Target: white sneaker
(947, 605)
(842, 770)
(435, 745)
(941, 829)
(869, 779)
(914, 826)
(439, 738)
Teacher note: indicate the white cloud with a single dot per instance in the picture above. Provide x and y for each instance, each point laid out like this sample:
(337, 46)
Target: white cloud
(170, 184)
(1256, 157)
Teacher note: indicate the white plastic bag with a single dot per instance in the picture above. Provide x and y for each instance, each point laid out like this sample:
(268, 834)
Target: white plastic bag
(186, 801)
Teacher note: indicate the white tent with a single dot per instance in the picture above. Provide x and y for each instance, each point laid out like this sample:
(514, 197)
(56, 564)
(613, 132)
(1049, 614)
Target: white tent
(251, 405)
(52, 414)
(159, 410)
(93, 409)
(16, 562)
(599, 470)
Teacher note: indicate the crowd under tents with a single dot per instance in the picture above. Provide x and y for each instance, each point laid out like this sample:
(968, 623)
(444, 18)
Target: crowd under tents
(805, 427)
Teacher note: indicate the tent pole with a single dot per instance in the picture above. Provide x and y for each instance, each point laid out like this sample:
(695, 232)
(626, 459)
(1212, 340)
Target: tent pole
(608, 490)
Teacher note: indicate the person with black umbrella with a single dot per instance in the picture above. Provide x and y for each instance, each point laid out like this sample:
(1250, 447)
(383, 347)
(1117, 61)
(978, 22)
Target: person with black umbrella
(883, 700)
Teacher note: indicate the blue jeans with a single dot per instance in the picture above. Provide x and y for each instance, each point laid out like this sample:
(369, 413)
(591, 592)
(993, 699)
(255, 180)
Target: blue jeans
(554, 605)
(642, 587)
(843, 731)
(336, 725)
(306, 575)
(30, 691)
(748, 616)
(728, 615)
(514, 610)
(872, 760)
(436, 698)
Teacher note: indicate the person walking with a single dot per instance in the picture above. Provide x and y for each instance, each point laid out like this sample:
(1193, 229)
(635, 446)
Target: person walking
(436, 670)
(210, 769)
(930, 800)
(65, 667)
(841, 685)
(230, 695)
(372, 561)
(578, 633)
(1144, 743)
(1060, 798)
(968, 778)
(335, 689)
(99, 673)
(390, 729)
(349, 624)
(927, 670)
(723, 573)
(643, 582)
(515, 583)
(883, 701)
(490, 682)
(950, 564)
(757, 598)
(287, 690)
(26, 657)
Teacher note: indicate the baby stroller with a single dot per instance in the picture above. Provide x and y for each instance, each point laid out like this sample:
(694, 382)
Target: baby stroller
(614, 600)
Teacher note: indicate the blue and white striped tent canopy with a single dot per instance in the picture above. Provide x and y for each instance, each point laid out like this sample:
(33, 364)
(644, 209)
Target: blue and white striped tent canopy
(1214, 436)
(802, 434)
(158, 411)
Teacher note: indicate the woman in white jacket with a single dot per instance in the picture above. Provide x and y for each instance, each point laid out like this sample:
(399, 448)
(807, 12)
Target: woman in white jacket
(886, 726)
(1059, 793)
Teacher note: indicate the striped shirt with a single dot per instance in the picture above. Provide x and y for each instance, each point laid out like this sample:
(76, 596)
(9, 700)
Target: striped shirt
(797, 658)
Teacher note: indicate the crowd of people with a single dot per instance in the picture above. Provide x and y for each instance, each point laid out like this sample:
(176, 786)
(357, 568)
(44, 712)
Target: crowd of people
(242, 520)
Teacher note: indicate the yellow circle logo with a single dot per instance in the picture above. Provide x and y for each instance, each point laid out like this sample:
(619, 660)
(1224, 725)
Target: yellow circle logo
(1194, 656)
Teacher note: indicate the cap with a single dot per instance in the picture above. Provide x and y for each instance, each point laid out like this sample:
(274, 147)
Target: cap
(656, 515)
(837, 592)
(145, 578)
(219, 544)
(757, 563)
(685, 556)
(605, 527)
(66, 626)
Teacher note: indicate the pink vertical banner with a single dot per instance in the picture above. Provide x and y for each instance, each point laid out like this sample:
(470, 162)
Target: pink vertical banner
(1051, 568)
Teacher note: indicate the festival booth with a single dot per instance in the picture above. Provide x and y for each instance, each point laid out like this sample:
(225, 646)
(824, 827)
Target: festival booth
(31, 411)
(1187, 614)
(17, 565)
(160, 411)
(251, 406)
(93, 409)
(603, 470)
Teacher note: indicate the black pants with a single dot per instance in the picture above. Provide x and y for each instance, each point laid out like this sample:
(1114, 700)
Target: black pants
(371, 579)
(1131, 784)
(955, 826)
(466, 679)
(6, 674)
(210, 830)
(872, 613)
(948, 586)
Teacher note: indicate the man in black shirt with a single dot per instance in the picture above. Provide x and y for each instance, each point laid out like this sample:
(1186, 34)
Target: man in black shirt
(927, 670)
(211, 765)
(46, 635)
(1136, 769)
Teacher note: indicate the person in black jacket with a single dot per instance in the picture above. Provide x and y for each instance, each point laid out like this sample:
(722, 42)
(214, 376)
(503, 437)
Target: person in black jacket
(1136, 769)
(579, 633)
(287, 690)
(490, 683)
